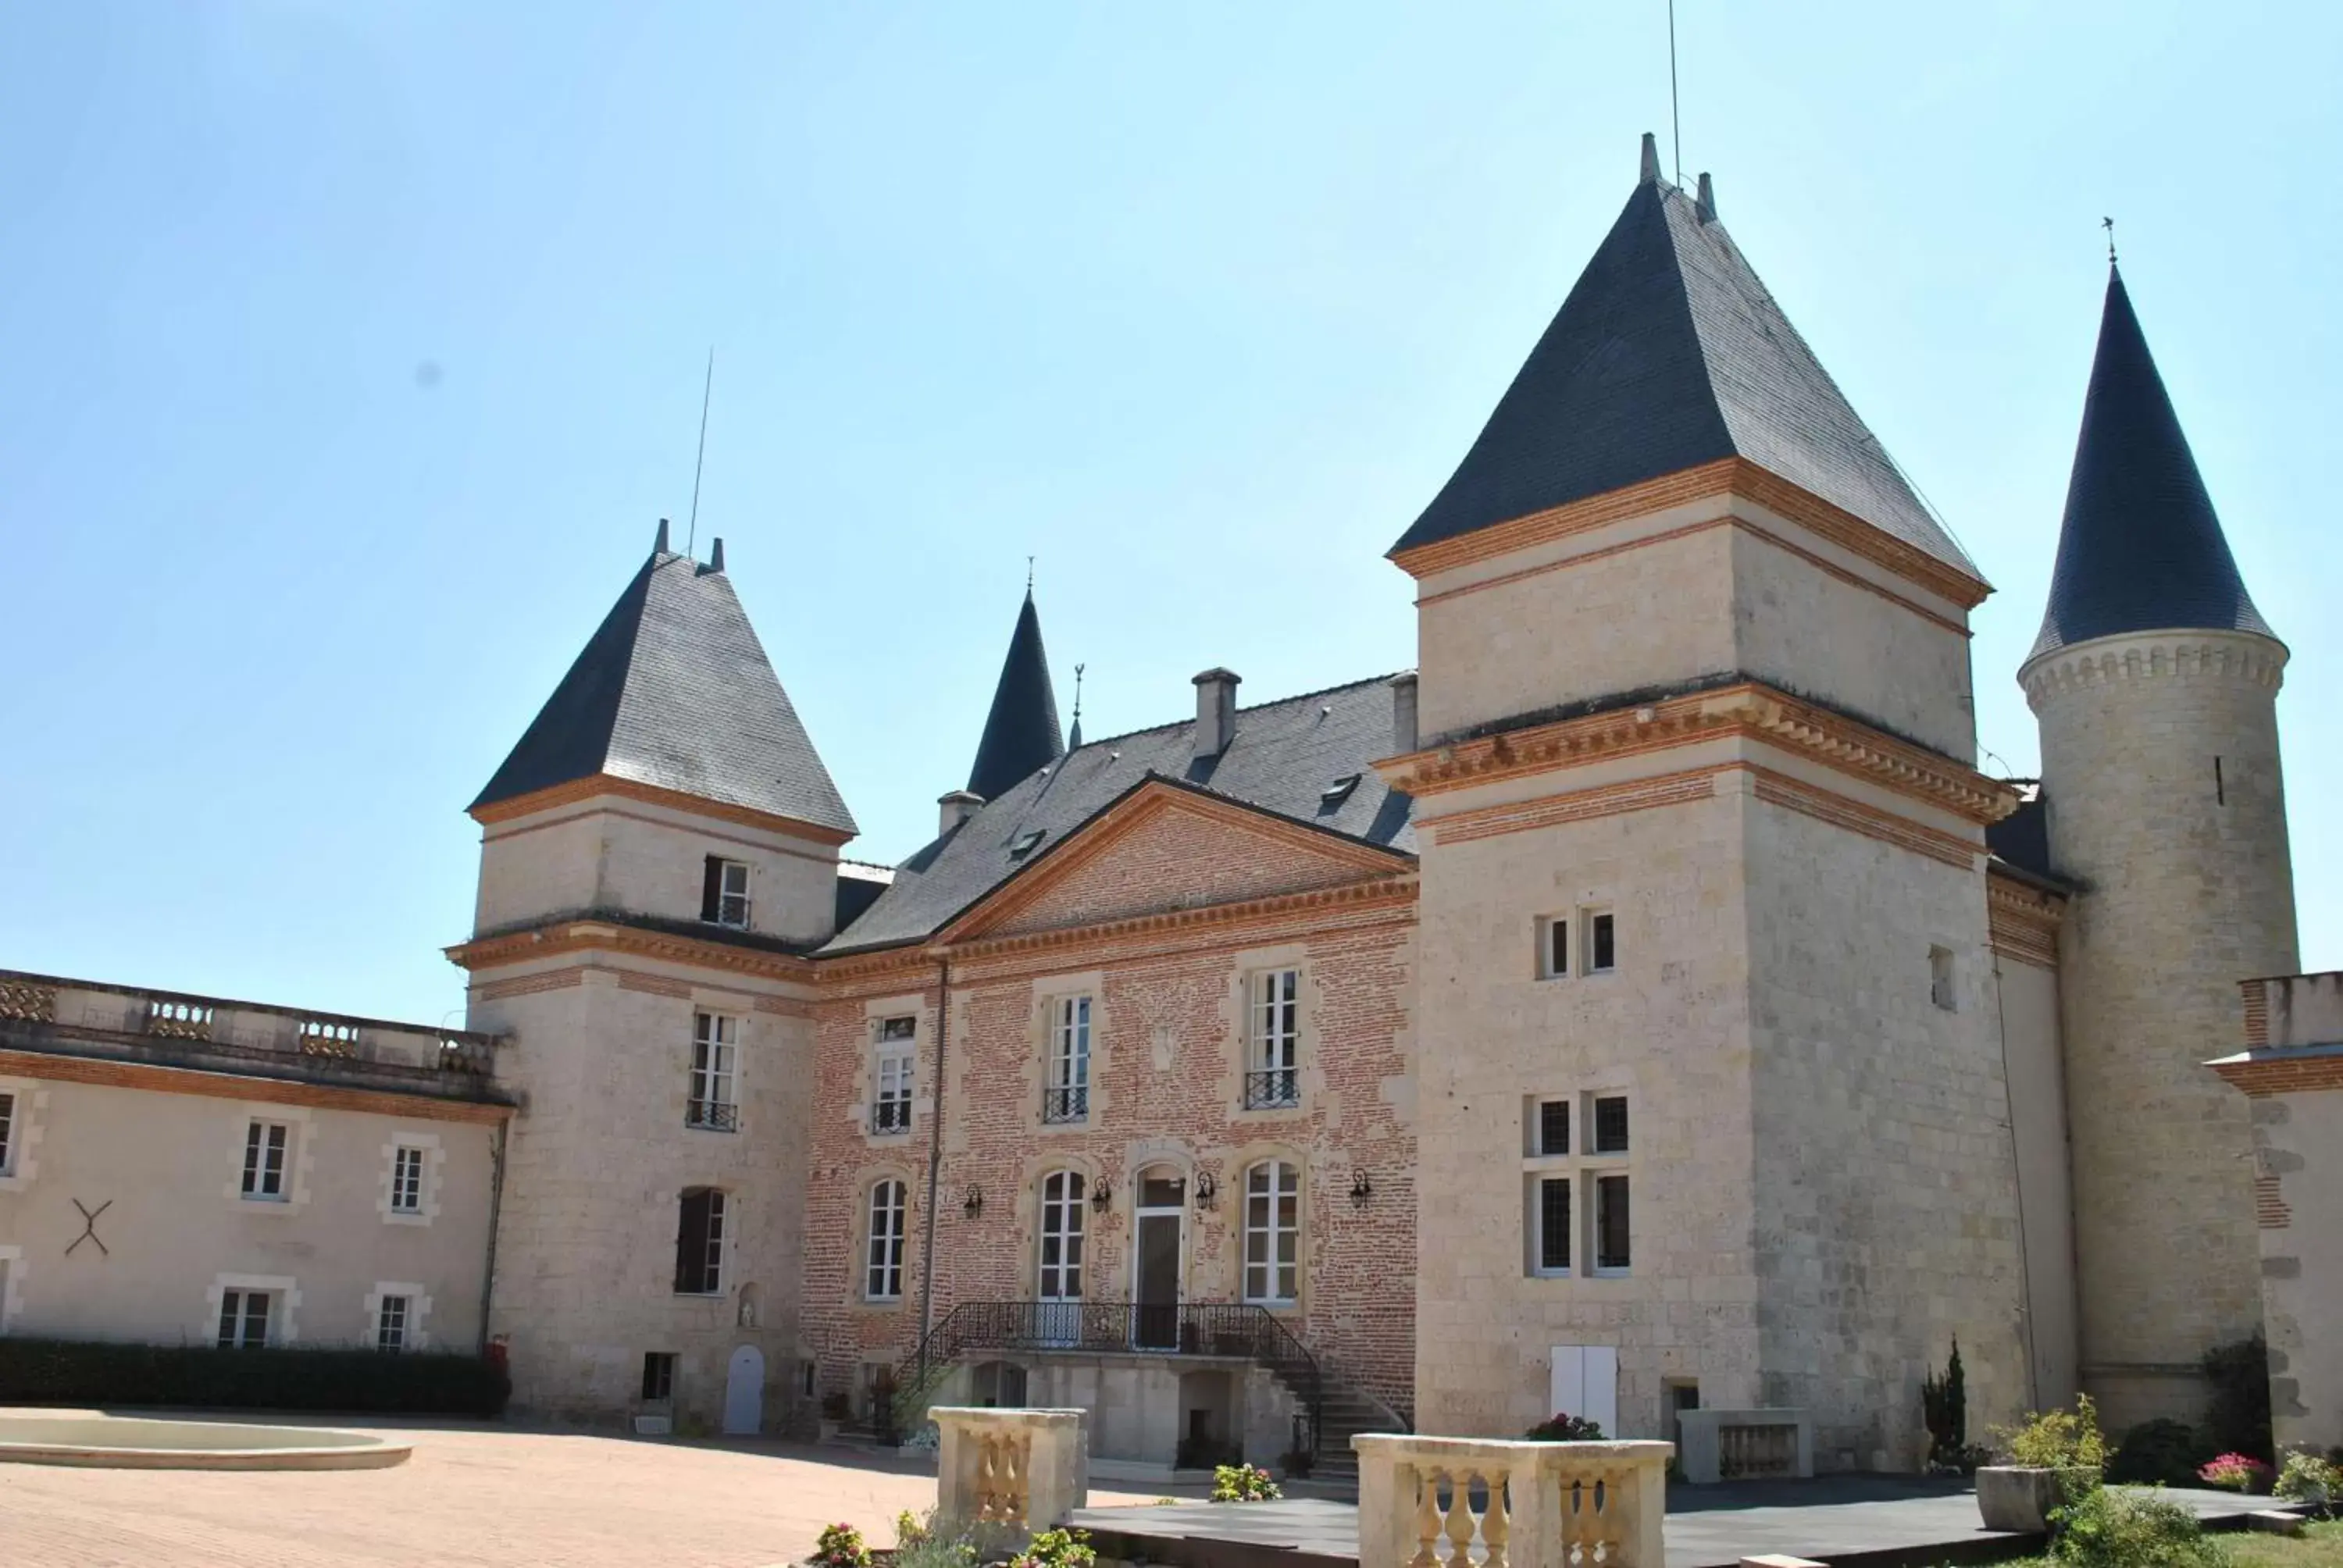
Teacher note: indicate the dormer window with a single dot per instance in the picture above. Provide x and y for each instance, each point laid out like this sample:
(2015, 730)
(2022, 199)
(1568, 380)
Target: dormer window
(1025, 844)
(724, 893)
(1337, 792)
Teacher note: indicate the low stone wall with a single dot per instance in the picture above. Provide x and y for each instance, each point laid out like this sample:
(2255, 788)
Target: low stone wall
(1745, 1445)
(1523, 1505)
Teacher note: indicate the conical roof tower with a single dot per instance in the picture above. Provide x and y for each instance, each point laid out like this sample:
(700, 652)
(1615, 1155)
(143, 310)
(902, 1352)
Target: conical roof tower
(1020, 733)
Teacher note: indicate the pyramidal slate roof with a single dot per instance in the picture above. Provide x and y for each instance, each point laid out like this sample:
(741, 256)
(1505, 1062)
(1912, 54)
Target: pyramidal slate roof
(1020, 733)
(1308, 759)
(1670, 353)
(674, 690)
(2140, 548)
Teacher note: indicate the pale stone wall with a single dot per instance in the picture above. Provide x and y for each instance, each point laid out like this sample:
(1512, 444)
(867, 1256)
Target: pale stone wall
(2190, 892)
(168, 1169)
(597, 1162)
(1885, 1182)
(1669, 1027)
(2038, 1100)
(613, 852)
(2300, 1139)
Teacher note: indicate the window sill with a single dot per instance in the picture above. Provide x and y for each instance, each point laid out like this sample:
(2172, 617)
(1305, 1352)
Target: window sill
(1619, 1273)
(709, 1127)
(716, 1295)
(398, 1217)
(253, 1200)
(1552, 1275)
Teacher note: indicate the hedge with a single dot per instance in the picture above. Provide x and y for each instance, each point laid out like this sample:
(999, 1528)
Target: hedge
(91, 1373)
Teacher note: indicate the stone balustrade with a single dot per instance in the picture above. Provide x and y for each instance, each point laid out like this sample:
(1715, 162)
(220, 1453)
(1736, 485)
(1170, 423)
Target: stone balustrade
(167, 1023)
(1745, 1445)
(1454, 1502)
(1025, 1469)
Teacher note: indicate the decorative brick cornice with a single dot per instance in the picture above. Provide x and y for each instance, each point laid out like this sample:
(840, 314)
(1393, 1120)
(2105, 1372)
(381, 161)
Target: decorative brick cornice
(2244, 657)
(116, 1074)
(2024, 920)
(1577, 806)
(1824, 806)
(2282, 1070)
(1750, 709)
(562, 937)
(1728, 475)
(1386, 892)
(527, 985)
(596, 784)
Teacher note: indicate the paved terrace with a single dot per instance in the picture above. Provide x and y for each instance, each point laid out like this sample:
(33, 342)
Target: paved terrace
(1847, 1521)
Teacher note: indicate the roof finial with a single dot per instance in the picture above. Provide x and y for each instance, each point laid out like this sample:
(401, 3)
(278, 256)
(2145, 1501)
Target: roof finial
(706, 387)
(1650, 174)
(1074, 737)
(2109, 225)
(1029, 576)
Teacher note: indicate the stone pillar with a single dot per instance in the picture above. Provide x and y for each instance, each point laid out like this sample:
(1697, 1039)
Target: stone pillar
(1026, 1468)
(1543, 1505)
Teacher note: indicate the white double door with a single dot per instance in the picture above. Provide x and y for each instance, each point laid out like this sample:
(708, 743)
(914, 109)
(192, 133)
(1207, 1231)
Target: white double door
(1063, 1217)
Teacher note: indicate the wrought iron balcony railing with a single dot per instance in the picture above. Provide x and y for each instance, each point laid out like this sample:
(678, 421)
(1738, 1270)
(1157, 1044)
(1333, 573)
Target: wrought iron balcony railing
(1272, 1087)
(891, 1116)
(712, 1115)
(1066, 1103)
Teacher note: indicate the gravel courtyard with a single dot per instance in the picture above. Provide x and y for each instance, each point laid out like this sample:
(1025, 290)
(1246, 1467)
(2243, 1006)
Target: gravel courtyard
(472, 1494)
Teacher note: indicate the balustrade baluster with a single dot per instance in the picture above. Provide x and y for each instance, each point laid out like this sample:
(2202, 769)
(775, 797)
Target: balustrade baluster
(1460, 1519)
(1427, 1521)
(1496, 1519)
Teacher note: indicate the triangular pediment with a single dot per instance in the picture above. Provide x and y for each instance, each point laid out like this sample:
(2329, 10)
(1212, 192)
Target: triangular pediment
(1166, 847)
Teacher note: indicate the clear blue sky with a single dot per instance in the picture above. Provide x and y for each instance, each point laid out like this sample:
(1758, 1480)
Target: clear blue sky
(349, 353)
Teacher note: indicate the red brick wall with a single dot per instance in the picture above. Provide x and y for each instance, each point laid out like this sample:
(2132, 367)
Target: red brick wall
(1166, 1085)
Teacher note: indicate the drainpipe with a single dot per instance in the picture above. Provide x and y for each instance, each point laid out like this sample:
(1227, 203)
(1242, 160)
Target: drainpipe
(496, 1213)
(935, 1166)
(2018, 1185)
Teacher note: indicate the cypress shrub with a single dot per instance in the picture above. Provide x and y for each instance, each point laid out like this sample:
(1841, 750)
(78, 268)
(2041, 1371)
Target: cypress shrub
(335, 1379)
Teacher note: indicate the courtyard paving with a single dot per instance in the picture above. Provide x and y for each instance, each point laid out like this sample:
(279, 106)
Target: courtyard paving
(471, 1495)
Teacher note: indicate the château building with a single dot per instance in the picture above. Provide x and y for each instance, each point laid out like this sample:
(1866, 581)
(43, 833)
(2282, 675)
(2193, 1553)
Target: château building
(1641, 1003)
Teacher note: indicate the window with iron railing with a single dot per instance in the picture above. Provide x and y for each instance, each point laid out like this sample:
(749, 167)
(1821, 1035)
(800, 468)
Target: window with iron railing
(1067, 1096)
(712, 1104)
(890, 1105)
(1273, 1073)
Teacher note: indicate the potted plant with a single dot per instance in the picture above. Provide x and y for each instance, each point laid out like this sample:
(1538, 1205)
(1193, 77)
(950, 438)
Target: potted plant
(1564, 1427)
(2054, 1458)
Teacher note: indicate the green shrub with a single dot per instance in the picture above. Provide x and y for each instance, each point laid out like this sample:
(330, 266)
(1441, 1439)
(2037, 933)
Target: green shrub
(2237, 1421)
(1244, 1484)
(2112, 1528)
(1057, 1549)
(344, 1380)
(1944, 1407)
(1564, 1427)
(2057, 1439)
(840, 1546)
(2159, 1453)
(2307, 1478)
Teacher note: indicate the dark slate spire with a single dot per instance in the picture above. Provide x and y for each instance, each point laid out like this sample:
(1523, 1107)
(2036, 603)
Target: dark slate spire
(1021, 733)
(674, 690)
(2140, 548)
(1668, 354)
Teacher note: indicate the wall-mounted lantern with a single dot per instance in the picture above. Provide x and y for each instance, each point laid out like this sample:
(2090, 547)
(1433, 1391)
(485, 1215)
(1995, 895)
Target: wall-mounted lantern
(1361, 1190)
(1204, 1189)
(973, 1204)
(1102, 1195)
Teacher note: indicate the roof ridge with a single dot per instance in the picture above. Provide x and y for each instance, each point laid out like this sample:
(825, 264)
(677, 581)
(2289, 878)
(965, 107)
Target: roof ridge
(1254, 708)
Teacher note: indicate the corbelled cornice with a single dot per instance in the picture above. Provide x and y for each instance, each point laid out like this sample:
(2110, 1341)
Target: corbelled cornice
(2244, 656)
(1749, 709)
(562, 937)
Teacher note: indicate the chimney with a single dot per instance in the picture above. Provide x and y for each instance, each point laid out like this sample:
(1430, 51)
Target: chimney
(1648, 172)
(1706, 203)
(955, 809)
(1403, 687)
(1216, 712)
(658, 544)
(716, 557)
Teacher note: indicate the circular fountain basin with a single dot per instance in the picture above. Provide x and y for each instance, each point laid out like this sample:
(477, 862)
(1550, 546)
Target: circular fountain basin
(128, 1443)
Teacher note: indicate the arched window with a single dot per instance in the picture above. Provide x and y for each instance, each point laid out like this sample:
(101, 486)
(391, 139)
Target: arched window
(699, 1242)
(1272, 1231)
(883, 1277)
(1062, 1192)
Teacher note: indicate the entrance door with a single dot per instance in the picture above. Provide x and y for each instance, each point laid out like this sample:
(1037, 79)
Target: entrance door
(1061, 1284)
(744, 1392)
(1155, 1288)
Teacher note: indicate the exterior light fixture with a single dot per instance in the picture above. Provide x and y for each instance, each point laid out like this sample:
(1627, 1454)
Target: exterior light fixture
(1102, 1195)
(973, 1204)
(1361, 1190)
(1204, 1189)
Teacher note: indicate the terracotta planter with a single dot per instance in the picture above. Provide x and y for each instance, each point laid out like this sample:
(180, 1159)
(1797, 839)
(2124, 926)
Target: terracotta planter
(2019, 1497)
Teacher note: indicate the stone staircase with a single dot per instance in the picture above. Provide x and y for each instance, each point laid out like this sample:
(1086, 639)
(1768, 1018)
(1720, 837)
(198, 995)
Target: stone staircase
(1344, 1412)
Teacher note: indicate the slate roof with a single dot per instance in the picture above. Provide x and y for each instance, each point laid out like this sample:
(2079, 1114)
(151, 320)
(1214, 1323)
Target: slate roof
(1020, 733)
(1285, 759)
(1668, 354)
(674, 690)
(2140, 548)
(2021, 838)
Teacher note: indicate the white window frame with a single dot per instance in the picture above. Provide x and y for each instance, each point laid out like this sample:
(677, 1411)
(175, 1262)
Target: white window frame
(731, 899)
(233, 1330)
(284, 1305)
(28, 1098)
(410, 1164)
(426, 1145)
(1593, 917)
(1065, 1196)
(1553, 955)
(1586, 1166)
(391, 1323)
(1273, 1039)
(886, 1209)
(9, 1117)
(1943, 981)
(1283, 1197)
(1597, 1207)
(893, 1074)
(712, 1093)
(264, 1137)
(1540, 1265)
(419, 1309)
(1072, 1019)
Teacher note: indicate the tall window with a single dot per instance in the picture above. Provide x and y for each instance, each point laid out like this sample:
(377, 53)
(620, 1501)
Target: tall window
(7, 1133)
(659, 1376)
(1611, 1223)
(406, 1179)
(244, 1319)
(724, 892)
(699, 1242)
(1609, 1124)
(1550, 1133)
(390, 1324)
(1273, 1076)
(265, 1144)
(1067, 1096)
(1551, 1242)
(1575, 1217)
(882, 1273)
(890, 1109)
(1554, 948)
(1062, 1236)
(715, 1063)
(1272, 1231)
(1601, 947)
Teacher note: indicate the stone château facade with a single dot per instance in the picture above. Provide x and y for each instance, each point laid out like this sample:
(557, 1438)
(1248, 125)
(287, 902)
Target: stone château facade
(1643, 1003)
